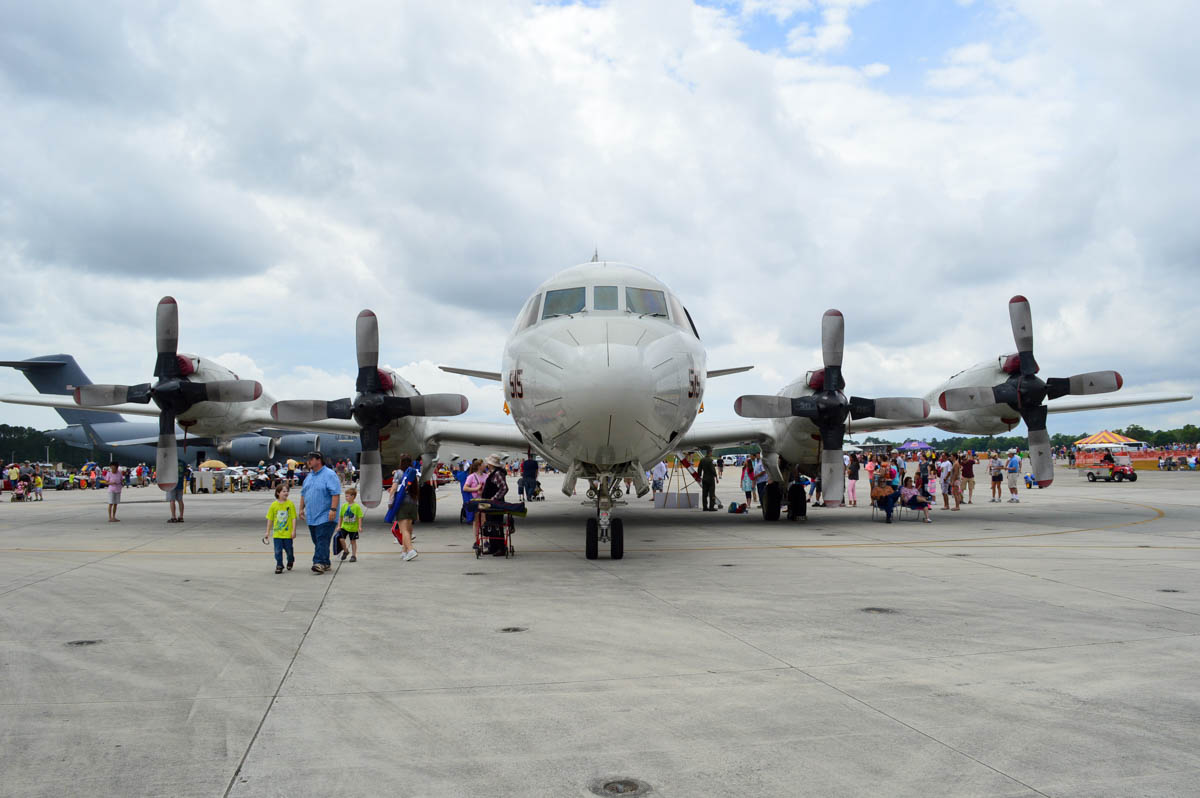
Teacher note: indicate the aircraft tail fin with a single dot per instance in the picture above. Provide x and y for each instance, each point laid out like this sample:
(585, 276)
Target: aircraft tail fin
(51, 374)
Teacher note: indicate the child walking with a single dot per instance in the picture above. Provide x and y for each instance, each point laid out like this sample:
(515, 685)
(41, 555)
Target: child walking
(350, 515)
(281, 526)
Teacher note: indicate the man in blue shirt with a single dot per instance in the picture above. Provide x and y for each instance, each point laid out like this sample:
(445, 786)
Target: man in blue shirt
(1014, 472)
(319, 497)
(527, 485)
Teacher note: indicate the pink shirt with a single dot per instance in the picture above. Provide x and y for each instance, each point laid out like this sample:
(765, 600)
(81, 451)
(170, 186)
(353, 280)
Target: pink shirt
(474, 484)
(113, 478)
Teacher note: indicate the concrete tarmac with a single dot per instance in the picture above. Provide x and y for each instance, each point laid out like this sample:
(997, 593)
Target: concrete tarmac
(1042, 648)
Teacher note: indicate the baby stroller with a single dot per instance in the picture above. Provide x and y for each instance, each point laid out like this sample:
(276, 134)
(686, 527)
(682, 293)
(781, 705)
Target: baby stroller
(20, 491)
(497, 527)
(539, 495)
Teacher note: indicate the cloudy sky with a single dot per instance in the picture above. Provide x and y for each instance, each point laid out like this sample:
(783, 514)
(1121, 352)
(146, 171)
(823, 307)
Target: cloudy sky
(277, 166)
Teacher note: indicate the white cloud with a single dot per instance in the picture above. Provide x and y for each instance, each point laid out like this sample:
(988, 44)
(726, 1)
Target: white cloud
(279, 168)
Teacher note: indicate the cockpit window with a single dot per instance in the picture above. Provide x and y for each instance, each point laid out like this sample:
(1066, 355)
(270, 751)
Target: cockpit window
(646, 302)
(682, 317)
(531, 313)
(604, 297)
(563, 302)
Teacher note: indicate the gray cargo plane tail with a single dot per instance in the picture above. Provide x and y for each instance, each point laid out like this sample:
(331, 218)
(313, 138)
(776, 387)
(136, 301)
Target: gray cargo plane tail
(89, 429)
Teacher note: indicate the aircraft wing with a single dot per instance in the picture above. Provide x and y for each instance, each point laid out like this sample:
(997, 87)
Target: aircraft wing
(1105, 401)
(68, 402)
(448, 432)
(720, 434)
(262, 420)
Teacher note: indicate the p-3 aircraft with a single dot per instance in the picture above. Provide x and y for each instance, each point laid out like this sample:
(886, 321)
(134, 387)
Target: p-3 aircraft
(604, 373)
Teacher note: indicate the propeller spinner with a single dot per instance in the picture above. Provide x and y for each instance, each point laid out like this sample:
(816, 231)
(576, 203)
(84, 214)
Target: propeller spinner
(829, 408)
(173, 392)
(373, 408)
(1026, 393)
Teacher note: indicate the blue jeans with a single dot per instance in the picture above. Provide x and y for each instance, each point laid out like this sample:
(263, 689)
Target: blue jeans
(888, 503)
(282, 545)
(321, 535)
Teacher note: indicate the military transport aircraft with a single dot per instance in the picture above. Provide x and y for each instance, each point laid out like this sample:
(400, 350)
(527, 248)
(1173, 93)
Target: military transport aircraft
(605, 374)
(135, 442)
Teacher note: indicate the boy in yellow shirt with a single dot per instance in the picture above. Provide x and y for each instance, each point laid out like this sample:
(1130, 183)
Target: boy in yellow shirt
(281, 525)
(350, 515)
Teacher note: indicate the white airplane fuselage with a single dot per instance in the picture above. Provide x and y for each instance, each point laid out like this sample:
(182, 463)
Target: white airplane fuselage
(603, 371)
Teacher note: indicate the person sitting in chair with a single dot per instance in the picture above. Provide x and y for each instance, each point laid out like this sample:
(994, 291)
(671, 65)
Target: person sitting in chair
(911, 498)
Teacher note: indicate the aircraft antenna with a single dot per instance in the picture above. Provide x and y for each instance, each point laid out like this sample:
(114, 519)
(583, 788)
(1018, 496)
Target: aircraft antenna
(596, 255)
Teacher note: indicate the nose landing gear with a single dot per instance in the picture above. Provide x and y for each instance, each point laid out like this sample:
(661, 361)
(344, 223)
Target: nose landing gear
(604, 528)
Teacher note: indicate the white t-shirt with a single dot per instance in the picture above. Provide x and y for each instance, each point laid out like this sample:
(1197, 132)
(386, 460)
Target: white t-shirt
(660, 470)
(944, 469)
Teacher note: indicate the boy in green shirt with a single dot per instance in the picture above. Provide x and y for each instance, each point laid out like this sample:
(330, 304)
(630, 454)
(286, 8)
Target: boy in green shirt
(350, 515)
(281, 525)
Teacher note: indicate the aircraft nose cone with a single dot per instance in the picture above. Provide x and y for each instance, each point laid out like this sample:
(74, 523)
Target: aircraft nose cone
(613, 411)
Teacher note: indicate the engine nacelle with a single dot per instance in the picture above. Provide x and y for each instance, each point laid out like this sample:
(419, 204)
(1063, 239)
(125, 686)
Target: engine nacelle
(249, 450)
(298, 445)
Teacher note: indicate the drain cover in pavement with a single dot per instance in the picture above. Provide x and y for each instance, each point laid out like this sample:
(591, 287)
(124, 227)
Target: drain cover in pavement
(623, 786)
(879, 610)
(84, 642)
(515, 629)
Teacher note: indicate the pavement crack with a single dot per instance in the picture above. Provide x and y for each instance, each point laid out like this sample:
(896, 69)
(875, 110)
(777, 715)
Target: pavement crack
(286, 672)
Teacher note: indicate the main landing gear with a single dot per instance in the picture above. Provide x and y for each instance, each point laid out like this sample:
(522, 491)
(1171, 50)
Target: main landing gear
(427, 503)
(604, 528)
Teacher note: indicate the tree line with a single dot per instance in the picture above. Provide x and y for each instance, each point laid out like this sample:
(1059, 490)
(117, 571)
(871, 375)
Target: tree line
(18, 444)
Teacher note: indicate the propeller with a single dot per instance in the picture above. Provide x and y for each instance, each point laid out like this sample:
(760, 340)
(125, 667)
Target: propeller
(1027, 393)
(373, 408)
(172, 391)
(829, 408)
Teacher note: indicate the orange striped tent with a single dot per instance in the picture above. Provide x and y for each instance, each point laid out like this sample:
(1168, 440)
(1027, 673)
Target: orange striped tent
(1103, 437)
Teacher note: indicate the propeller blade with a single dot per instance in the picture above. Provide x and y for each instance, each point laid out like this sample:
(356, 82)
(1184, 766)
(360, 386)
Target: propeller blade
(833, 336)
(166, 337)
(833, 482)
(366, 338)
(232, 390)
(167, 455)
(1021, 318)
(762, 406)
(437, 404)
(1084, 384)
(366, 342)
(890, 407)
(972, 398)
(1041, 457)
(370, 478)
(102, 395)
(300, 411)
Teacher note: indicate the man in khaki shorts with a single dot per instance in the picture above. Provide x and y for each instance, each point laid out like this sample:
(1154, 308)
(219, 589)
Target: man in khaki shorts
(1014, 474)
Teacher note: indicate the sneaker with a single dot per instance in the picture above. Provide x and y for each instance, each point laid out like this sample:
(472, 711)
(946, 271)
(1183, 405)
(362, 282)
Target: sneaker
(353, 559)
(411, 554)
(929, 520)
(316, 569)
(278, 569)
(289, 566)
(345, 554)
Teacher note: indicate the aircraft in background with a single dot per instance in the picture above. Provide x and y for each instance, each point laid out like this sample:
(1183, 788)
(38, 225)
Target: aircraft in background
(202, 395)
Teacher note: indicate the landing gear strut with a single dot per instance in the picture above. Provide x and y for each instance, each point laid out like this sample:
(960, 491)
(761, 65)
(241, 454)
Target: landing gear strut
(604, 528)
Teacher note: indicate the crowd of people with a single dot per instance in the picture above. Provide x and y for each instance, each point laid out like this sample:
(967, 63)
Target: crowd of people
(914, 480)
